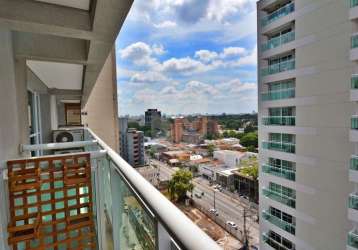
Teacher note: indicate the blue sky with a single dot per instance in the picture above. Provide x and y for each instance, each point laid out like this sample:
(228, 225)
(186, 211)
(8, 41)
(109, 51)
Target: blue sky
(188, 56)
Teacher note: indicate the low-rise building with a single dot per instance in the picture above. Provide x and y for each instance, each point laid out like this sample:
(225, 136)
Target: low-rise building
(229, 157)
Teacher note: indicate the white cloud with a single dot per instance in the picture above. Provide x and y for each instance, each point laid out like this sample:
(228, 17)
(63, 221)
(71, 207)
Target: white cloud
(250, 59)
(184, 65)
(206, 55)
(148, 77)
(233, 51)
(165, 24)
(197, 97)
(220, 10)
(141, 53)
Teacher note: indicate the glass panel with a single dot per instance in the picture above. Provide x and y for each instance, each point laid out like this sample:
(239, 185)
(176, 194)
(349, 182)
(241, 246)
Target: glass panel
(354, 163)
(354, 81)
(353, 239)
(277, 14)
(354, 3)
(135, 224)
(353, 201)
(354, 122)
(275, 218)
(277, 67)
(278, 41)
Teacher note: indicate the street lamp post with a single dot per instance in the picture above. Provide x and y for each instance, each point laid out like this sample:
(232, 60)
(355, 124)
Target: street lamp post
(214, 198)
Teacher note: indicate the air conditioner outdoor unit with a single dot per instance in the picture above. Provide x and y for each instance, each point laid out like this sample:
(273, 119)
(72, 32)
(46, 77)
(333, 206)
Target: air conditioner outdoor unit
(66, 135)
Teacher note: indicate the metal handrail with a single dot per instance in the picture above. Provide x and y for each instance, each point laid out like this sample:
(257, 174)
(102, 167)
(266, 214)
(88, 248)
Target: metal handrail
(179, 226)
(57, 145)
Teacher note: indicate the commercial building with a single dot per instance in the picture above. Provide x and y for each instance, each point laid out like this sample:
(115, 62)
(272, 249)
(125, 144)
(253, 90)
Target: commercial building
(58, 68)
(153, 119)
(307, 66)
(131, 143)
(184, 130)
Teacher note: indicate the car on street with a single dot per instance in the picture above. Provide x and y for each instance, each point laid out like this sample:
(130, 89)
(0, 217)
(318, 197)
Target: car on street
(232, 224)
(213, 211)
(197, 195)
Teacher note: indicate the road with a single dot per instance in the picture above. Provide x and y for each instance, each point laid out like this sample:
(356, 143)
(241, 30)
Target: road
(229, 209)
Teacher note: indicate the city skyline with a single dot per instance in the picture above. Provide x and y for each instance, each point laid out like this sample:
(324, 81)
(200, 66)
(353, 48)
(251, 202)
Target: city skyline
(185, 60)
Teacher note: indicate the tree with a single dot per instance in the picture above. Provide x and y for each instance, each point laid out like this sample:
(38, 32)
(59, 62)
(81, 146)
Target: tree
(249, 139)
(250, 167)
(134, 125)
(211, 148)
(180, 184)
(249, 128)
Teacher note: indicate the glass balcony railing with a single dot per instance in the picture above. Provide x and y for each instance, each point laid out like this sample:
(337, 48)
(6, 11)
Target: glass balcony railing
(277, 14)
(353, 239)
(278, 41)
(353, 201)
(279, 146)
(275, 244)
(354, 163)
(288, 227)
(279, 197)
(278, 94)
(354, 81)
(279, 120)
(129, 212)
(354, 42)
(354, 3)
(287, 174)
(278, 67)
(354, 122)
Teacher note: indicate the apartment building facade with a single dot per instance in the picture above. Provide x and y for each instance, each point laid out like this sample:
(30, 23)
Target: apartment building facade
(58, 68)
(306, 83)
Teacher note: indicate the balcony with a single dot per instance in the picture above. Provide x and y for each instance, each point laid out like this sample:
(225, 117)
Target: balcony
(280, 172)
(288, 227)
(353, 11)
(354, 88)
(275, 244)
(277, 14)
(278, 68)
(353, 207)
(273, 195)
(278, 94)
(353, 169)
(354, 48)
(352, 240)
(353, 135)
(128, 212)
(279, 120)
(279, 146)
(278, 41)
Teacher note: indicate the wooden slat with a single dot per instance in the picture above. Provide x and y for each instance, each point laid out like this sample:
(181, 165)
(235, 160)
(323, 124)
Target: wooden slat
(74, 172)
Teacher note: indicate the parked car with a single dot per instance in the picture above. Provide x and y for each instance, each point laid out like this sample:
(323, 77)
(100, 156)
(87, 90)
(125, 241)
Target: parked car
(232, 224)
(197, 195)
(213, 211)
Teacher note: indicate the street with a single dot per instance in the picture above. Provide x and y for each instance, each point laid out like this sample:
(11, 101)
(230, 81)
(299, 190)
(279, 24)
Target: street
(229, 209)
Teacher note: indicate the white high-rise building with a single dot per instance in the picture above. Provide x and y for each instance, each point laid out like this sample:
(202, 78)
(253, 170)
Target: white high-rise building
(308, 93)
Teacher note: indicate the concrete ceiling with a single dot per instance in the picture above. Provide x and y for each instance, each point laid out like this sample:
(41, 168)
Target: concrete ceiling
(58, 75)
(78, 4)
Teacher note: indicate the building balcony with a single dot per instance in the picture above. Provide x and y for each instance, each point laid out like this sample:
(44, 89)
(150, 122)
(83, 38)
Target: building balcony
(353, 11)
(353, 169)
(286, 174)
(353, 207)
(352, 241)
(278, 94)
(278, 41)
(272, 242)
(288, 227)
(279, 120)
(354, 88)
(279, 146)
(353, 135)
(278, 68)
(273, 195)
(117, 201)
(354, 48)
(277, 14)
